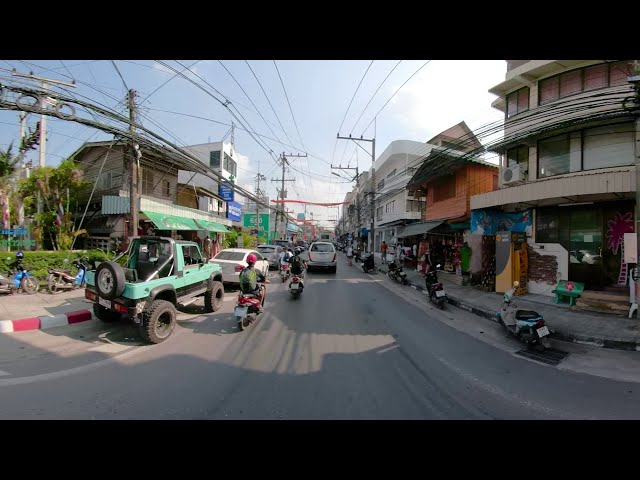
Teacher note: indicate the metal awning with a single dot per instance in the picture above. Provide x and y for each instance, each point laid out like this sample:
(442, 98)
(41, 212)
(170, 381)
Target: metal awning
(162, 221)
(418, 229)
(212, 226)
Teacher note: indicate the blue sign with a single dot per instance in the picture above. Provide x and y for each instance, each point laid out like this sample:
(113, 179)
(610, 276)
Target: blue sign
(486, 222)
(234, 211)
(225, 190)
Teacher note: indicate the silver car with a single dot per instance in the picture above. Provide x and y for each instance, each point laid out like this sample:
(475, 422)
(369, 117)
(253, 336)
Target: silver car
(272, 254)
(234, 260)
(322, 255)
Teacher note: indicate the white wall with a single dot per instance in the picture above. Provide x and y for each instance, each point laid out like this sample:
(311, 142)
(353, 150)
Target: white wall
(562, 258)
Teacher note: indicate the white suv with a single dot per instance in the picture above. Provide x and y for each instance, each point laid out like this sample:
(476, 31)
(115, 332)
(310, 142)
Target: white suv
(322, 255)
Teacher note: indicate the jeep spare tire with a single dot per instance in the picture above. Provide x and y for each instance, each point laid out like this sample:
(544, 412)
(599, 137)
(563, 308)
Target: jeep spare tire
(110, 280)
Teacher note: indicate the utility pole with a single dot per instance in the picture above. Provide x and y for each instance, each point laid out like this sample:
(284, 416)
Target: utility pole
(45, 82)
(133, 166)
(283, 216)
(259, 194)
(373, 181)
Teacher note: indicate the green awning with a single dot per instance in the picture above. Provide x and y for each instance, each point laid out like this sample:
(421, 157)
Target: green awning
(163, 221)
(212, 226)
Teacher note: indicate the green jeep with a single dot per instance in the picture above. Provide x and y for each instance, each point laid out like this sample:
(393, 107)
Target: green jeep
(150, 280)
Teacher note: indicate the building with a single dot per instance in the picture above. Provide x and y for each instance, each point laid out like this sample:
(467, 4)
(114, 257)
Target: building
(395, 205)
(567, 160)
(450, 173)
(106, 197)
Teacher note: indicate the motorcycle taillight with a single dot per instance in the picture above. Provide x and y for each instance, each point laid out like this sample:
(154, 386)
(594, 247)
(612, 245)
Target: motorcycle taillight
(295, 279)
(238, 268)
(540, 324)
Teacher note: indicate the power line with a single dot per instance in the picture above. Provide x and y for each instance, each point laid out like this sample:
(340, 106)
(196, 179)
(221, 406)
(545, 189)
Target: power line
(289, 103)
(394, 94)
(174, 76)
(121, 77)
(267, 96)
(65, 67)
(372, 96)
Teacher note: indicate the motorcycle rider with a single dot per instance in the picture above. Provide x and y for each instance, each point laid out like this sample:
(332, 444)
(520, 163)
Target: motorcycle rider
(297, 265)
(249, 278)
(17, 263)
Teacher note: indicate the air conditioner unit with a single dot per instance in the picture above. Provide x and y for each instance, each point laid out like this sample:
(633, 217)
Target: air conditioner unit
(512, 174)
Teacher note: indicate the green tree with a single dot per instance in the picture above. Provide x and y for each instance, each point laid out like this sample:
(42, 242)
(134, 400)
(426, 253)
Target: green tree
(56, 185)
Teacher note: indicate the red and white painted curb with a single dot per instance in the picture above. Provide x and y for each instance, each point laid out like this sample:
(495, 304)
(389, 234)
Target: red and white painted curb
(42, 323)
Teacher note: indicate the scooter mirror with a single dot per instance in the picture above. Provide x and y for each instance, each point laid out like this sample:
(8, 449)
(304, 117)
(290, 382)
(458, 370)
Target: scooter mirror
(438, 266)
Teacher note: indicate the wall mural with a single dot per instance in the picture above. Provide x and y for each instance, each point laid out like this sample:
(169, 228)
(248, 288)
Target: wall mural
(617, 227)
(485, 222)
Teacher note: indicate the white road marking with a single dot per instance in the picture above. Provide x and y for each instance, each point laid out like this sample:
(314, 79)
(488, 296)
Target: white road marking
(111, 348)
(3, 373)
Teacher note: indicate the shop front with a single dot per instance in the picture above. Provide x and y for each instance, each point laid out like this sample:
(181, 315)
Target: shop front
(593, 234)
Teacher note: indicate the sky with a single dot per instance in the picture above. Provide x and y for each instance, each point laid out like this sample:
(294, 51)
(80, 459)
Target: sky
(320, 95)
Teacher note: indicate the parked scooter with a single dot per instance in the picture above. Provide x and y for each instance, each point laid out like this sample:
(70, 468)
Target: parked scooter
(396, 272)
(21, 281)
(526, 325)
(248, 308)
(368, 263)
(435, 289)
(59, 280)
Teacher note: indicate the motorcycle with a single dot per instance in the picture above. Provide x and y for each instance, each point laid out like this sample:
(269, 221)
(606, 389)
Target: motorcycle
(526, 325)
(296, 286)
(285, 273)
(396, 272)
(21, 280)
(59, 280)
(248, 308)
(368, 263)
(435, 289)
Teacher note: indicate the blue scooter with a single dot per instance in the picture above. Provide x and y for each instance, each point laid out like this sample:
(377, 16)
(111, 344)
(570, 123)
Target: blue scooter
(22, 280)
(59, 280)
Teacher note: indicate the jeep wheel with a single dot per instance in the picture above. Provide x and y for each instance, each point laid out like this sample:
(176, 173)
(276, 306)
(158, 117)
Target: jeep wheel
(158, 322)
(105, 314)
(110, 280)
(214, 297)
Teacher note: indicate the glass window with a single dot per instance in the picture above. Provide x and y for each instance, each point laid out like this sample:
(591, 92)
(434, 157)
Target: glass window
(214, 160)
(518, 102)
(322, 247)
(553, 156)
(609, 146)
(518, 155)
(549, 89)
(229, 255)
(191, 255)
(595, 77)
(547, 226)
(570, 83)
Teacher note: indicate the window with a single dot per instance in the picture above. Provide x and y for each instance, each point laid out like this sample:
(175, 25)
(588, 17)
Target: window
(191, 255)
(219, 205)
(379, 213)
(229, 255)
(518, 102)
(147, 182)
(519, 155)
(553, 156)
(547, 222)
(414, 205)
(381, 184)
(444, 189)
(167, 188)
(106, 180)
(390, 207)
(322, 248)
(392, 173)
(214, 160)
(229, 165)
(609, 146)
(583, 79)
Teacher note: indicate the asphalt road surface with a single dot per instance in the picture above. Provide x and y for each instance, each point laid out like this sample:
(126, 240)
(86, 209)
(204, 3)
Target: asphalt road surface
(353, 346)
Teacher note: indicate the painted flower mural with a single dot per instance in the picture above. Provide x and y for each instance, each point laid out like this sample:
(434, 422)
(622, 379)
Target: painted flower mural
(618, 226)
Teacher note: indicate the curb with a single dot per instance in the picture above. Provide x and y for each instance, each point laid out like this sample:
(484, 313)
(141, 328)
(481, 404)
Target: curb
(562, 336)
(44, 322)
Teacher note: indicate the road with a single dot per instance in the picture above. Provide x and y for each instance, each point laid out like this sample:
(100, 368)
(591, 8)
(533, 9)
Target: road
(353, 346)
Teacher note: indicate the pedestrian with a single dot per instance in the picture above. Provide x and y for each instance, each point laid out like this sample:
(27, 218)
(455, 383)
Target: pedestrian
(207, 248)
(349, 252)
(383, 251)
(215, 246)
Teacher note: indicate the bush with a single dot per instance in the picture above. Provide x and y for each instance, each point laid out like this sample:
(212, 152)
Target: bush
(39, 263)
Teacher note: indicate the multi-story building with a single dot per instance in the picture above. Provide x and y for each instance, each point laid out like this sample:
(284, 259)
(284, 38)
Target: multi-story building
(567, 158)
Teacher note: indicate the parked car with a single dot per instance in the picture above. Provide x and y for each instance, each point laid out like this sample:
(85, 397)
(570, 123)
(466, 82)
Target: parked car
(322, 255)
(272, 254)
(234, 260)
(283, 243)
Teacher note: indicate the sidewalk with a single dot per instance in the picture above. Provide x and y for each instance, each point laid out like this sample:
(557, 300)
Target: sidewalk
(568, 324)
(19, 312)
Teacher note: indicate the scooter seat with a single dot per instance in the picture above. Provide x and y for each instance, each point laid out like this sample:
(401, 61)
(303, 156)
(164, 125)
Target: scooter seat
(526, 315)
